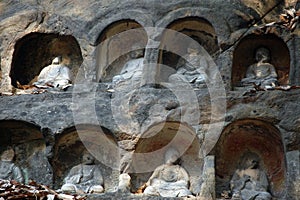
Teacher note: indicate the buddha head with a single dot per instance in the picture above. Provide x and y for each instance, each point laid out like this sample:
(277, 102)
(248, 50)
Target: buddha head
(137, 52)
(249, 160)
(8, 155)
(262, 54)
(88, 159)
(57, 60)
(171, 156)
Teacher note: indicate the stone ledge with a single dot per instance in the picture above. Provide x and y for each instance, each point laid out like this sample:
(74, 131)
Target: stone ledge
(122, 196)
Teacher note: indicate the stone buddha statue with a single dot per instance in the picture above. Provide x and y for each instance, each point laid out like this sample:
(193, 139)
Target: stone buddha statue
(249, 181)
(191, 68)
(169, 179)
(56, 75)
(132, 70)
(84, 178)
(261, 73)
(8, 170)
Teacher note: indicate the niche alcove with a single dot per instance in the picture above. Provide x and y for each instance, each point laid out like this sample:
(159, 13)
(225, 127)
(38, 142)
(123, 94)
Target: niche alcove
(35, 51)
(255, 136)
(196, 28)
(115, 43)
(244, 56)
(69, 149)
(30, 149)
(155, 142)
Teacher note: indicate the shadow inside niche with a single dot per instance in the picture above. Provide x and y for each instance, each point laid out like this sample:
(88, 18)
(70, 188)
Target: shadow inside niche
(30, 150)
(255, 136)
(244, 56)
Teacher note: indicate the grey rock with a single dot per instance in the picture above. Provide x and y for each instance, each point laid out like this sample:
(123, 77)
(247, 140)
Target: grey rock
(35, 123)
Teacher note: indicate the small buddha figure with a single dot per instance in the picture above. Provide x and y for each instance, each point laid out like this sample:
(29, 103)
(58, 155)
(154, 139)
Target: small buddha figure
(261, 73)
(191, 68)
(132, 70)
(169, 179)
(84, 178)
(124, 183)
(8, 170)
(249, 181)
(56, 75)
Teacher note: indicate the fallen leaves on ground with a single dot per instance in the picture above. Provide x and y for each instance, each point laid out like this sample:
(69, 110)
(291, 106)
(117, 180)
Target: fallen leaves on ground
(15, 190)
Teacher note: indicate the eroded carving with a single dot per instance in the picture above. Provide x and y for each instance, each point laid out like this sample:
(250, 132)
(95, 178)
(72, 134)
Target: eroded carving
(192, 68)
(169, 179)
(8, 170)
(85, 177)
(132, 70)
(56, 75)
(124, 183)
(249, 180)
(261, 73)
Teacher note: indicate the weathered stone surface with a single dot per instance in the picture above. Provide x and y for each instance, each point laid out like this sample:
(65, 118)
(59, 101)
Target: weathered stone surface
(208, 177)
(293, 173)
(28, 28)
(121, 196)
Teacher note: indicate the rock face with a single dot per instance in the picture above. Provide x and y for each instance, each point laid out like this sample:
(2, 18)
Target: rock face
(128, 127)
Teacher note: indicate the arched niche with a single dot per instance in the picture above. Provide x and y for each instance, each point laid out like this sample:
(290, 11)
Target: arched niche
(256, 136)
(151, 147)
(35, 51)
(198, 29)
(244, 56)
(30, 149)
(115, 43)
(69, 149)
